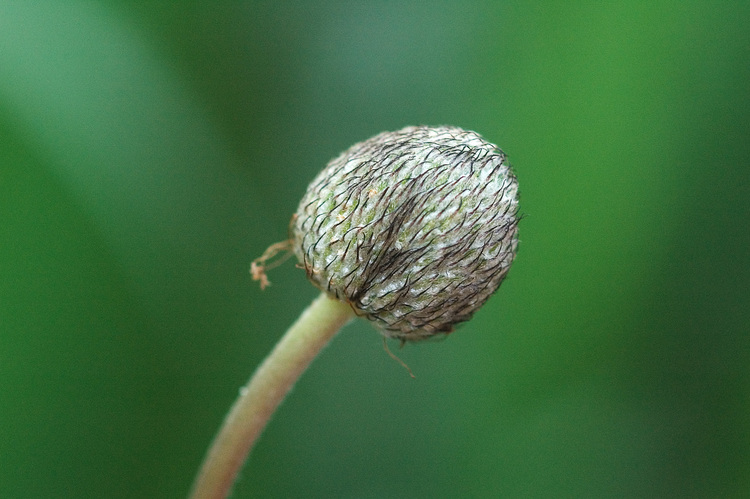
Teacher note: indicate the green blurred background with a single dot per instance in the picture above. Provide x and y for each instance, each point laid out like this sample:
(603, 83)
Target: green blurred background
(149, 151)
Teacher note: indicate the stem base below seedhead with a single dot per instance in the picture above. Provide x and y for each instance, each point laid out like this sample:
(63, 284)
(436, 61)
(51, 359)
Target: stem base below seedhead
(264, 392)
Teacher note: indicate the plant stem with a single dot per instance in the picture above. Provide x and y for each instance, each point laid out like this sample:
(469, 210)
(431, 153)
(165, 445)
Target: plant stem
(265, 391)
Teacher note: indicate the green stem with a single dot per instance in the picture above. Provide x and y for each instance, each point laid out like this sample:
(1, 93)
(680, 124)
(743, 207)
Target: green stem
(265, 391)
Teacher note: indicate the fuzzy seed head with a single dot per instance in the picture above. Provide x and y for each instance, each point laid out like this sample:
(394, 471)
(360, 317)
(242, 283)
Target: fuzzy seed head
(415, 229)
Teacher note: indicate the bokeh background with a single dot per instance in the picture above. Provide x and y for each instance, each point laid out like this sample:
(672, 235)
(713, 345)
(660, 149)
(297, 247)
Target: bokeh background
(150, 150)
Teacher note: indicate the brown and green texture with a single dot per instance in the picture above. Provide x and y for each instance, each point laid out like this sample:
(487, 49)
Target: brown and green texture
(415, 229)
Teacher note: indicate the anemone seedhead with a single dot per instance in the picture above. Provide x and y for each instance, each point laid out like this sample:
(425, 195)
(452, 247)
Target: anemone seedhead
(415, 229)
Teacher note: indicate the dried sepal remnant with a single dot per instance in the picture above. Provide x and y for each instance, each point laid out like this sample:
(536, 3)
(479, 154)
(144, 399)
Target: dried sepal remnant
(263, 263)
(415, 228)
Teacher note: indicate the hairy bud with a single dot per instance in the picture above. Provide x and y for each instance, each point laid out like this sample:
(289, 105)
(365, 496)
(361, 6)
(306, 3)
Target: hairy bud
(415, 229)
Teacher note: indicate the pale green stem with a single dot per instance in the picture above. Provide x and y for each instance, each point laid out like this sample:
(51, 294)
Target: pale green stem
(265, 391)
